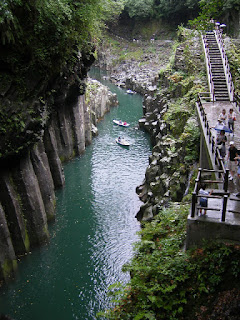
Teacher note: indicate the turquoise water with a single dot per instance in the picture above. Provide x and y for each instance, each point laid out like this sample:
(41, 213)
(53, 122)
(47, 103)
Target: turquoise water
(94, 230)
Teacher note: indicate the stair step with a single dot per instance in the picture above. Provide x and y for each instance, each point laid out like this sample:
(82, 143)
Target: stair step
(219, 79)
(218, 71)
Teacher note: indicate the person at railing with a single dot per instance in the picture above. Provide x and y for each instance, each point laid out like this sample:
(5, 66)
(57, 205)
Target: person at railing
(231, 119)
(203, 200)
(238, 176)
(232, 162)
(223, 116)
(221, 140)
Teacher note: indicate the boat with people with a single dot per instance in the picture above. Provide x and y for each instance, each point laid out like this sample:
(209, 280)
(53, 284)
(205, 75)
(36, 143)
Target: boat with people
(122, 142)
(121, 123)
(130, 91)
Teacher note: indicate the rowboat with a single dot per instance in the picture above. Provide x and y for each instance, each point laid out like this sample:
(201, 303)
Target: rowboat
(122, 142)
(130, 91)
(121, 123)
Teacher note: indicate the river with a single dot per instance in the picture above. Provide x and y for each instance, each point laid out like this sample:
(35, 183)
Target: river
(95, 226)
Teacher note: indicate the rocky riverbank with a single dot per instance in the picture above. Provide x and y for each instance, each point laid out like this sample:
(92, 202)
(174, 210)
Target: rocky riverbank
(169, 75)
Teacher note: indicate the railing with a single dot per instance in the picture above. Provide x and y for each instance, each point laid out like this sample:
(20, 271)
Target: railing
(237, 100)
(222, 173)
(199, 180)
(209, 68)
(218, 34)
(204, 97)
(211, 141)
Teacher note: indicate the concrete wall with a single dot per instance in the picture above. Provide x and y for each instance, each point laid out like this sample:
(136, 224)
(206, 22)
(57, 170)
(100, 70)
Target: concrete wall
(203, 228)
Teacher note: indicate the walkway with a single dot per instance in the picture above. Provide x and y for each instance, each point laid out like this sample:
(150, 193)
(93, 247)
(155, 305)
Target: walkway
(222, 220)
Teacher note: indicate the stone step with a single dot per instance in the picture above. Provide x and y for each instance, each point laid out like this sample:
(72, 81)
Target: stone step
(216, 62)
(223, 82)
(220, 84)
(218, 72)
(219, 94)
(219, 79)
(216, 65)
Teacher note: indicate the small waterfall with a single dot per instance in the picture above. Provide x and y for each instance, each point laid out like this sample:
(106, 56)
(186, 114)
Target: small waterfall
(189, 179)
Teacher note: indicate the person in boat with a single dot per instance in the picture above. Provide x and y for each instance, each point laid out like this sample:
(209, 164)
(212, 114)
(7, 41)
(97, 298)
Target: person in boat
(125, 123)
(120, 121)
(119, 139)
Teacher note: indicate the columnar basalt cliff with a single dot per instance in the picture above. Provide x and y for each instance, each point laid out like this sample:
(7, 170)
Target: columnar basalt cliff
(28, 180)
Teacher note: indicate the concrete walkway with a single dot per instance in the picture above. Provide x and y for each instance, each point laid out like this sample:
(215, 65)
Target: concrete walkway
(213, 111)
(211, 226)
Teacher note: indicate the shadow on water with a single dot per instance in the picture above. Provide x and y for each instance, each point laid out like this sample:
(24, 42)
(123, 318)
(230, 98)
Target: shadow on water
(94, 230)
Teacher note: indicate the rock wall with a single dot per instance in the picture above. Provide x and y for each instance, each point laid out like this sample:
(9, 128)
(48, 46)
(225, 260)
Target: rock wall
(27, 188)
(161, 85)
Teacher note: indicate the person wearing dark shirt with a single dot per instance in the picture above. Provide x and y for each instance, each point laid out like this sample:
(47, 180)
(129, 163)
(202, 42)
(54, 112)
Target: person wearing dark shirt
(232, 163)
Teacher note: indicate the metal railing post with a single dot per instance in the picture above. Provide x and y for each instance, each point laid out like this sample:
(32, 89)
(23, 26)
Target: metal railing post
(194, 198)
(225, 186)
(224, 208)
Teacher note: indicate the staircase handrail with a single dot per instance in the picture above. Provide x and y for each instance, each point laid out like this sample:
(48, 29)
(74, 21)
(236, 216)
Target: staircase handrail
(237, 100)
(222, 172)
(209, 68)
(220, 42)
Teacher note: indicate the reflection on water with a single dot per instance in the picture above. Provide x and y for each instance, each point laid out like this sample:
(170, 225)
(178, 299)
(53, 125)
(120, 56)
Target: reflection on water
(94, 230)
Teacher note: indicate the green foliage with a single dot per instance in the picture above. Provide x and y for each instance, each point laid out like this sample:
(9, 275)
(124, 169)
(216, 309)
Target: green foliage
(191, 140)
(233, 54)
(213, 9)
(41, 36)
(165, 280)
(41, 41)
(165, 9)
(177, 116)
(140, 8)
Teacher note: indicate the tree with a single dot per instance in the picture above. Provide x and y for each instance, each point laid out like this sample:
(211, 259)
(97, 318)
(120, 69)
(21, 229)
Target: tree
(214, 9)
(176, 10)
(140, 8)
(43, 34)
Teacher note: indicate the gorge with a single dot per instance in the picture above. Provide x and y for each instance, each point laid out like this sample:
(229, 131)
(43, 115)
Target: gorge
(59, 125)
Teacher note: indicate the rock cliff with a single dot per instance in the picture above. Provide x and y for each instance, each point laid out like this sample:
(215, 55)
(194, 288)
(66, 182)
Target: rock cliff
(169, 78)
(28, 179)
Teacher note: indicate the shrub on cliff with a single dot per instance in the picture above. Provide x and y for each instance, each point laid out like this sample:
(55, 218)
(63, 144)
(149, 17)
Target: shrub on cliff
(169, 283)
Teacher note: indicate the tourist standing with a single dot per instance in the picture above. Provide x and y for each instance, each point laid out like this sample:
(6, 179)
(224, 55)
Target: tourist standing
(203, 199)
(231, 119)
(221, 140)
(238, 176)
(223, 116)
(232, 162)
